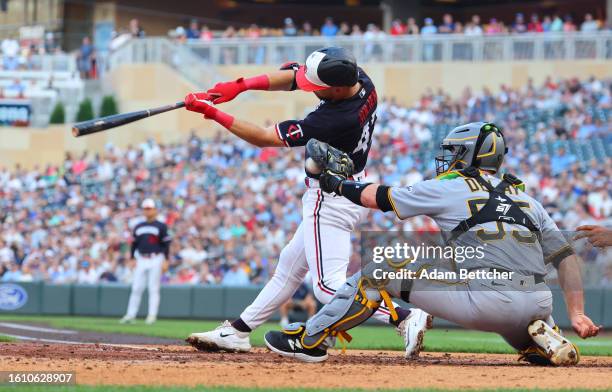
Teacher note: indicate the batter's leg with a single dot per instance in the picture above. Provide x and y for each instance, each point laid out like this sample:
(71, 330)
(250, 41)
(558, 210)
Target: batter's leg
(328, 223)
(288, 276)
(138, 286)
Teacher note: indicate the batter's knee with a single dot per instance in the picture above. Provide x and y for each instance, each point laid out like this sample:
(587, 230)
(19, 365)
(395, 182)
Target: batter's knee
(322, 293)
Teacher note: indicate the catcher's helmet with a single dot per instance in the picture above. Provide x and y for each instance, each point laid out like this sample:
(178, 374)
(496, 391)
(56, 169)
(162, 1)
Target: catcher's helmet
(478, 144)
(327, 67)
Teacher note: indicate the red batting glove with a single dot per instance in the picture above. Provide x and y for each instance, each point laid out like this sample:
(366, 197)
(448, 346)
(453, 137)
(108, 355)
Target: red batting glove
(199, 102)
(226, 91)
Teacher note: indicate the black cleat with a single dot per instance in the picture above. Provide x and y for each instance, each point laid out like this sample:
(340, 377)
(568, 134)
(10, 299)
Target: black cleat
(291, 346)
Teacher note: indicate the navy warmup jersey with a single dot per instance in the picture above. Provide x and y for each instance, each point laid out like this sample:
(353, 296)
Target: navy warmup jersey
(151, 237)
(347, 125)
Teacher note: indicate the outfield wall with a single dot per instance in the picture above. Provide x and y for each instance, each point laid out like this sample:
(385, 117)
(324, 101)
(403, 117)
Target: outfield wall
(139, 86)
(201, 302)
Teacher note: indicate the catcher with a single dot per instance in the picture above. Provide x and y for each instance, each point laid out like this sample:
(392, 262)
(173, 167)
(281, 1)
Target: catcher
(472, 208)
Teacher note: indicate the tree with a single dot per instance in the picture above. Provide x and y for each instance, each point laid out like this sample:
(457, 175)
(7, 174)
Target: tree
(108, 106)
(58, 115)
(85, 111)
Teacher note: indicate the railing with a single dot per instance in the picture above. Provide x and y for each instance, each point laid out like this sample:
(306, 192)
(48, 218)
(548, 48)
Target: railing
(548, 46)
(162, 50)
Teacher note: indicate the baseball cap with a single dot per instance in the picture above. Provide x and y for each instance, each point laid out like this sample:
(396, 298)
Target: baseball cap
(327, 67)
(148, 203)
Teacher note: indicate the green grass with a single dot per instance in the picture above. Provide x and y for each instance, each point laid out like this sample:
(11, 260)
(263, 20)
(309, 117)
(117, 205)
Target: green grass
(6, 339)
(83, 388)
(365, 337)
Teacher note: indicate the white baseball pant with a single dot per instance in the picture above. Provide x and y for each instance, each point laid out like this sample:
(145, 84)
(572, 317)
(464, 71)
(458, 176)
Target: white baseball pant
(148, 270)
(321, 244)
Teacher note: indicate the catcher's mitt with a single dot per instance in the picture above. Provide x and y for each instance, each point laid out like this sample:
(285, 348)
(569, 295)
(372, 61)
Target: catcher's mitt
(330, 159)
(336, 166)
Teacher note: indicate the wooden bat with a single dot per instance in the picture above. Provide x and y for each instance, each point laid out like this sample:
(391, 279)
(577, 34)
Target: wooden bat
(116, 120)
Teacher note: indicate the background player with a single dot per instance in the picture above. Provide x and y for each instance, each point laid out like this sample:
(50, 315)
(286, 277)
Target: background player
(302, 300)
(518, 308)
(345, 119)
(150, 247)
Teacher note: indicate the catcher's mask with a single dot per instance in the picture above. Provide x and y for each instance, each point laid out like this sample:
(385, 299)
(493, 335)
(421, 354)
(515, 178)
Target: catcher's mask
(478, 144)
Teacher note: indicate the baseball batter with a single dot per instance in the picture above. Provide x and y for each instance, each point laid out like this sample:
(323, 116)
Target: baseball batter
(345, 119)
(472, 207)
(150, 247)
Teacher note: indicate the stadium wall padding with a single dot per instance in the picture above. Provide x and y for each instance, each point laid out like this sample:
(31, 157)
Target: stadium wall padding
(215, 302)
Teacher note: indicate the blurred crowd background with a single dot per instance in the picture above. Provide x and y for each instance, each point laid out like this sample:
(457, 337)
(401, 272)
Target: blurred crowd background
(231, 207)
(22, 54)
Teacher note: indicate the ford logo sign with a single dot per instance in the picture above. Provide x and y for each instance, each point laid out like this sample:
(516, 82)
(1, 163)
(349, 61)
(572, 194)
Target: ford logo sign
(12, 296)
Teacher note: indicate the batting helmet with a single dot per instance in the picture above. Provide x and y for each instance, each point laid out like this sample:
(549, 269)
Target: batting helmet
(328, 67)
(478, 144)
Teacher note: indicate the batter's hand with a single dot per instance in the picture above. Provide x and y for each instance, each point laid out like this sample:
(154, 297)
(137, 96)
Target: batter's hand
(200, 103)
(226, 91)
(597, 235)
(584, 326)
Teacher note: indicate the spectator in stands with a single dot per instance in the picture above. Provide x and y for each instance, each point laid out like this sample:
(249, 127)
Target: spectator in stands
(205, 33)
(10, 53)
(344, 29)
(356, 31)
(589, 24)
(546, 24)
(412, 28)
(429, 27)
(135, 29)
(397, 28)
(447, 26)
(473, 28)
(494, 27)
(85, 58)
(519, 25)
(15, 89)
(329, 28)
(568, 24)
(557, 24)
(534, 25)
(193, 32)
(289, 29)
(235, 276)
(307, 29)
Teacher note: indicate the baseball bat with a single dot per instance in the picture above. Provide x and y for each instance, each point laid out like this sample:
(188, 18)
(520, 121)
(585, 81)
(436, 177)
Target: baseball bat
(116, 120)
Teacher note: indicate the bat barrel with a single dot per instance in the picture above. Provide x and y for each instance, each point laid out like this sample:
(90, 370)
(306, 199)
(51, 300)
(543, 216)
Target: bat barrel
(101, 124)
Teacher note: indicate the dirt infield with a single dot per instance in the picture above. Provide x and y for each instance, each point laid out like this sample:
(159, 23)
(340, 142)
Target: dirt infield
(182, 365)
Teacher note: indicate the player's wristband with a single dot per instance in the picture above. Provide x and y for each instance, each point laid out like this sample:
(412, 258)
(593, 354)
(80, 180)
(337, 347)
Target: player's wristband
(352, 190)
(260, 82)
(382, 198)
(227, 120)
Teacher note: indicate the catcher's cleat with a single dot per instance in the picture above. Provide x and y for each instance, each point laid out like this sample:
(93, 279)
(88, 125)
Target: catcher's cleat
(413, 329)
(223, 338)
(290, 345)
(551, 348)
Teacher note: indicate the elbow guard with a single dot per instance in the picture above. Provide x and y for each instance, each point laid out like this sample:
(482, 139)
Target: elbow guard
(352, 190)
(382, 198)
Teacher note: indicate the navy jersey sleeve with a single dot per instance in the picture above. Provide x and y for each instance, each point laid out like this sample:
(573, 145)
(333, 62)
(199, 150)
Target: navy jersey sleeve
(134, 244)
(317, 125)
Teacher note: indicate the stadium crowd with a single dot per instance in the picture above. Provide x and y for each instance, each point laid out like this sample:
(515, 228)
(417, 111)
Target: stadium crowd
(231, 207)
(448, 25)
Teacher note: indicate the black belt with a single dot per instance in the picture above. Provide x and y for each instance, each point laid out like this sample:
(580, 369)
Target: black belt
(149, 254)
(537, 278)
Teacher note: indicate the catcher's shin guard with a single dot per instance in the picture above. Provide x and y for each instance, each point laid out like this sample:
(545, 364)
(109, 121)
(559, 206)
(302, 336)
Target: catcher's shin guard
(353, 304)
